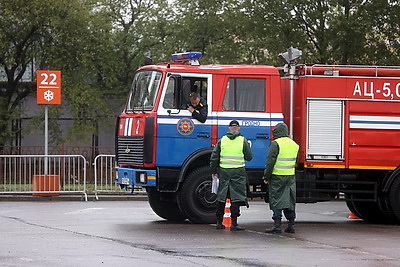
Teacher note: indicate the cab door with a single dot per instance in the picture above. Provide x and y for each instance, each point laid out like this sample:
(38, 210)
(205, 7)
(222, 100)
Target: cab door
(245, 100)
(178, 133)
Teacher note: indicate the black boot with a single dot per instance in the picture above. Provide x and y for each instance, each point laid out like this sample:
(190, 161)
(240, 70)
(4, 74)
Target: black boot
(220, 210)
(235, 226)
(276, 228)
(235, 213)
(219, 223)
(290, 227)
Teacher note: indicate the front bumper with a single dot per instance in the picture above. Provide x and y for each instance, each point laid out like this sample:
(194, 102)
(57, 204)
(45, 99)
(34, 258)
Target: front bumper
(140, 177)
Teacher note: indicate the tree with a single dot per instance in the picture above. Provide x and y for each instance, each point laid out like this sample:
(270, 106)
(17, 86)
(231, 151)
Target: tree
(139, 26)
(18, 33)
(46, 34)
(383, 40)
(207, 26)
(328, 31)
(99, 43)
(96, 44)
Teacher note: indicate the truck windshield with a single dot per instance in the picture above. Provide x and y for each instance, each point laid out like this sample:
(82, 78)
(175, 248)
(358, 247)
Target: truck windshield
(144, 90)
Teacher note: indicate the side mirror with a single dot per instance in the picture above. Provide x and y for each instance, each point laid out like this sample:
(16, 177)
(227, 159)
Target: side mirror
(177, 90)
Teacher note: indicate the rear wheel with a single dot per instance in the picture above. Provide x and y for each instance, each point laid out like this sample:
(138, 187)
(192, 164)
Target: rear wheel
(368, 211)
(350, 205)
(195, 198)
(394, 198)
(385, 207)
(164, 205)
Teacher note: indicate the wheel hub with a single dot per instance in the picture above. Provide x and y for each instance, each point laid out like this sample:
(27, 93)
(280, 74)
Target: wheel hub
(204, 195)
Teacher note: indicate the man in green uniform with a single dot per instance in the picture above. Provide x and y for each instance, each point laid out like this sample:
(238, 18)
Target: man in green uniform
(228, 162)
(279, 173)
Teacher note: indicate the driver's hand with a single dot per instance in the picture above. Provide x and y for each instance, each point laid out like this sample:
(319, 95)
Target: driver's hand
(191, 109)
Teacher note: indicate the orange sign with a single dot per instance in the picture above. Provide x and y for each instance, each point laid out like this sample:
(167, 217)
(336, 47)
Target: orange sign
(48, 83)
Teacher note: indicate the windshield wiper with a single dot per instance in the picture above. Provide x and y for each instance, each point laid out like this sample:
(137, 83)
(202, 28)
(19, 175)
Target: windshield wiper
(134, 88)
(145, 95)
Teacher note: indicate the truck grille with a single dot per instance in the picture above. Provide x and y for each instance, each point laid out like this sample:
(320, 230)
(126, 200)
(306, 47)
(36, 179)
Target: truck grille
(130, 150)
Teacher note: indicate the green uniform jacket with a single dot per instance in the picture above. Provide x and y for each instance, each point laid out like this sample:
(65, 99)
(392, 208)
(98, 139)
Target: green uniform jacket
(282, 188)
(232, 179)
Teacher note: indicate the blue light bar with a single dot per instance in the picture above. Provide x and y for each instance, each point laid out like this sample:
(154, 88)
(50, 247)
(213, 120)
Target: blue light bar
(182, 57)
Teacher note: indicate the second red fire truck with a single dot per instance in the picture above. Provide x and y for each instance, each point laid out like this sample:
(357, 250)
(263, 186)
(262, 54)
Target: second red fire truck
(346, 120)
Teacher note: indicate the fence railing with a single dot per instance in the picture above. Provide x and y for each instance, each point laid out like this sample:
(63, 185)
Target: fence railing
(105, 176)
(89, 152)
(59, 174)
(43, 175)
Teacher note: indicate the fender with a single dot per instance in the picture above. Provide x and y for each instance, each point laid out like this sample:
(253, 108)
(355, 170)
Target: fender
(192, 162)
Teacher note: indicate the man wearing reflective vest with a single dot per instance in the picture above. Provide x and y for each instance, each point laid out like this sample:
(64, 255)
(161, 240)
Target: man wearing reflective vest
(228, 162)
(279, 174)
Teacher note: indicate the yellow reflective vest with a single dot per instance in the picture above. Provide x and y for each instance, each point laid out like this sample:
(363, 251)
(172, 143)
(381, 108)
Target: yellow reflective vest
(231, 155)
(286, 160)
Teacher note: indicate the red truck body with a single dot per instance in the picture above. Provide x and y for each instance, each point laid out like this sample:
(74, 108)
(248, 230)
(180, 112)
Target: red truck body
(364, 116)
(346, 120)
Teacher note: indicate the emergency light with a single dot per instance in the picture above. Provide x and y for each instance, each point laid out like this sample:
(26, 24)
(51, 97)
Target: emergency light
(188, 56)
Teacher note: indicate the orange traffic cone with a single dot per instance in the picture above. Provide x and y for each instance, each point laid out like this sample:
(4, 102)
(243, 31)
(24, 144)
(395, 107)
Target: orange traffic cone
(352, 216)
(227, 214)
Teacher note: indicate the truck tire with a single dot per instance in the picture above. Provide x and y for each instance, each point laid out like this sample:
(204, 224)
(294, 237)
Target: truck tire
(350, 206)
(394, 198)
(195, 198)
(369, 212)
(383, 200)
(166, 209)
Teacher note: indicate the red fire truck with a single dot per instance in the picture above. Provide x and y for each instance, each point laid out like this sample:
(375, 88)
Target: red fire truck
(346, 120)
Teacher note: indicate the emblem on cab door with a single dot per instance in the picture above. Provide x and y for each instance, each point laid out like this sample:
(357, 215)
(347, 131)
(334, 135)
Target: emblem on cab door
(185, 126)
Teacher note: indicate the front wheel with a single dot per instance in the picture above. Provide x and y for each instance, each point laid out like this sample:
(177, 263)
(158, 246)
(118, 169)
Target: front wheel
(195, 198)
(164, 205)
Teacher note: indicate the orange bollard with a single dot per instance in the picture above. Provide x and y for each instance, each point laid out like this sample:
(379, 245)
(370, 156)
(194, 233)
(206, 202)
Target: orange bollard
(352, 216)
(227, 214)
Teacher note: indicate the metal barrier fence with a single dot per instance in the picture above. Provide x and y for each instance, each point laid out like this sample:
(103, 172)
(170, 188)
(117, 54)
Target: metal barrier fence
(43, 175)
(105, 176)
(59, 174)
(89, 152)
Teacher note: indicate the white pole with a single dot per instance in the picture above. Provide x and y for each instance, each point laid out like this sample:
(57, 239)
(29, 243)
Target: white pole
(292, 72)
(46, 139)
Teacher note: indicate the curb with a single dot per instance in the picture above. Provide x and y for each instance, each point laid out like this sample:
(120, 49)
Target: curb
(130, 197)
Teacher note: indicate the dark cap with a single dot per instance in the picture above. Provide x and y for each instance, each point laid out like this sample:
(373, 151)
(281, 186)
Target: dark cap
(233, 123)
